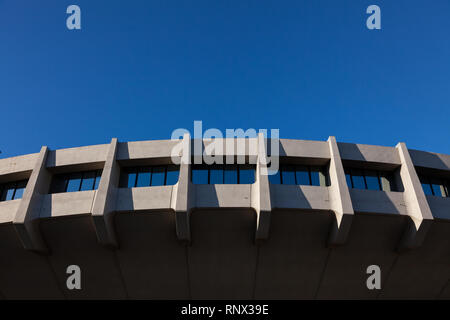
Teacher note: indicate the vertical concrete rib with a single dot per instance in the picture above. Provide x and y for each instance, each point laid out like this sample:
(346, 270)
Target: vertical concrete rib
(260, 193)
(340, 200)
(105, 199)
(183, 196)
(416, 203)
(26, 220)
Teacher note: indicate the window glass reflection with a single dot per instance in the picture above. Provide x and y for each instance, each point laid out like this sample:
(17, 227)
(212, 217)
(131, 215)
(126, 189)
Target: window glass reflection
(315, 176)
(216, 174)
(88, 181)
(358, 179)
(74, 183)
(288, 175)
(246, 174)
(200, 176)
(231, 174)
(172, 175)
(302, 175)
(372, 180)
(158, 176)
(143, 177)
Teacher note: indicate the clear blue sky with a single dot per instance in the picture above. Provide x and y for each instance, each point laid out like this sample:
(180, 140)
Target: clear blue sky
(140, 69)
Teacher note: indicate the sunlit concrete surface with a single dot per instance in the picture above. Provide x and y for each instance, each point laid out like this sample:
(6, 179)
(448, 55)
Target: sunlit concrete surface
(254, 241)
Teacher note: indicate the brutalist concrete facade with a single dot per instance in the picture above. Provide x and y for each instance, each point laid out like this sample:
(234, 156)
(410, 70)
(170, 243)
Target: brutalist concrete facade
(254, 241)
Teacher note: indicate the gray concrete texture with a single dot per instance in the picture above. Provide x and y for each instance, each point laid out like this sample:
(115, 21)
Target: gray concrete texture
(255, 241)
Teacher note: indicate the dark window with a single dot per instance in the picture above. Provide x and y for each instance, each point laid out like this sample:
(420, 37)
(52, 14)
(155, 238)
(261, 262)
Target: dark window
(158, 176)
(12, 190)
(369, 179)
(316, 176)
(231, 174)
(131, 181)
(348, 177)
(275, 178)
(358, 179)
(433, 186)
(427, 189)
(144, 177)
(147, 176)
(20, 189)
(288, 175)
(216, 174)
(246, 174)
(372, 180)
(300, 175)
(437, 191)
(9, 192)
(76, 181)
(88, 181)
(172, 175)
(200, 175)
(387, 181)
(220, 174)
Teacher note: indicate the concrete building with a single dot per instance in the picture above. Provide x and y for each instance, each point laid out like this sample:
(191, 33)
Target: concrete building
(140, 228)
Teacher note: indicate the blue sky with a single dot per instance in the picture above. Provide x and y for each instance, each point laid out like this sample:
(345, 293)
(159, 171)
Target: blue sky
(137, 70)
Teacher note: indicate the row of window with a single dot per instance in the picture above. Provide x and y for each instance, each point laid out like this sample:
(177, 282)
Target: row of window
(435, 186)
(370, 179)
(300, 175)
(76, 181)
(132, 177)
(223, 174)
(12, 190)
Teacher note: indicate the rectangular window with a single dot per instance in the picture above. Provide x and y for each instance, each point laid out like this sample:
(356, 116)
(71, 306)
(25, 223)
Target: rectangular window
(288, 175)
(275, 178)
(172, 175)
(223, 174)
(131, 181)
(387, 181)
(369, 179)
(75, 181)
(300, 175)
(146, 176)
(437, 189)
(348, 177)
(358, 179)
(88, 181)
(158, 176)
(8, 192)
(427, 189)
(216, 174)
(372, 180)
(12, 190)
(316, 176)
(230, 174)
(199, 175)
(434, 186)
(143, 177)
(246, 174)
(20, 189)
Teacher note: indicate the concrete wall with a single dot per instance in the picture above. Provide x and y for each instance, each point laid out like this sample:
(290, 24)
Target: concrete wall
(223, 241)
